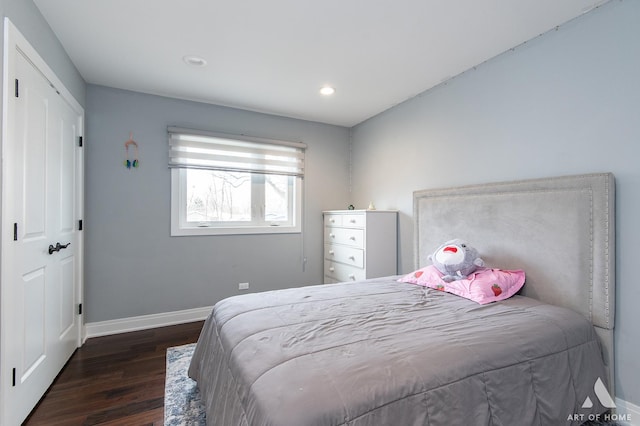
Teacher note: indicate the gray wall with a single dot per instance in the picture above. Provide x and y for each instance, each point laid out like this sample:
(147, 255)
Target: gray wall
(567, 102)
(133, 267)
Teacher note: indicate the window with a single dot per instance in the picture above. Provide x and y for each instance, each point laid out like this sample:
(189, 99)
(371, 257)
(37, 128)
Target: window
(223, 184)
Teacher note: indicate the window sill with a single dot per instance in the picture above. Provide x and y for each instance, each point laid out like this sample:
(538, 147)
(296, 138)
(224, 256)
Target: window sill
(249, 230)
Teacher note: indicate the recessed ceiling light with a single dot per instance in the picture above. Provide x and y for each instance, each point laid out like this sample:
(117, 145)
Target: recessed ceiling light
(196, 61)
(327, 91)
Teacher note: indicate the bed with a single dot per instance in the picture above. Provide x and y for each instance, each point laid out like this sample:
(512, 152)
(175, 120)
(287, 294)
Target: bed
(382, 352)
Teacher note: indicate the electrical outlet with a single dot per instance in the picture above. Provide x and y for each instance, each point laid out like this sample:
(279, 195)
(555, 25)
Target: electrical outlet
(243, 286)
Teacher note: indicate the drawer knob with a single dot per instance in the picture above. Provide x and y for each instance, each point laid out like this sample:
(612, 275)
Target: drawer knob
(331, 252)
(352, 221)
(332, 269)
(332, 235)
(352, 238)
(352, 277)
(332, 220)
(352, 258)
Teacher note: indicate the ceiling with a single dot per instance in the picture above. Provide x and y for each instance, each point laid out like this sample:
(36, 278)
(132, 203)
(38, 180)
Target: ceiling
(274, 56)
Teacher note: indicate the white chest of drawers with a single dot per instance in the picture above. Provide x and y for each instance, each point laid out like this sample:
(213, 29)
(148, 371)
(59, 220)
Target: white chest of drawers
(359, 244)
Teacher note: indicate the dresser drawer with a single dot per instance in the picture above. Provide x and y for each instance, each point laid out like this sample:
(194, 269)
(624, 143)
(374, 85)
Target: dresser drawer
(332, 220)
(346, 236)
(355, 220)
(351, 220)
(343, 254)
(342, 273)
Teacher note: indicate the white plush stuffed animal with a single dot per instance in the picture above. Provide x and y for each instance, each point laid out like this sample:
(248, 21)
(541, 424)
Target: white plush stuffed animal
(455, 259)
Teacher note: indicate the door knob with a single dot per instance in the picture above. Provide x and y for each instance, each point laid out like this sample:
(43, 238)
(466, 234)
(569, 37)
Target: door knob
(58, 247)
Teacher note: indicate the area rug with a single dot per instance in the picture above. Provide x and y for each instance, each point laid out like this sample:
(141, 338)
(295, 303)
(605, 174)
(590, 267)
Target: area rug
(181, 396)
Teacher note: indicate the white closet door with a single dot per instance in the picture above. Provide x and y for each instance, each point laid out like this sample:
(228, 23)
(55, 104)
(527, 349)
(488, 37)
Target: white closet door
(40, 291)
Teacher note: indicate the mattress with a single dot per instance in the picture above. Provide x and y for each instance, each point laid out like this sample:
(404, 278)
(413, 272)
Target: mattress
(381, 352)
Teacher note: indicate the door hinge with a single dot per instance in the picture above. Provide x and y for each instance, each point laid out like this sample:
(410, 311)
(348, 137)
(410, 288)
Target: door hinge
(80, 225)
(15, 232)
(80, 309)
(17, 91)
(80, 141)
(13, 374)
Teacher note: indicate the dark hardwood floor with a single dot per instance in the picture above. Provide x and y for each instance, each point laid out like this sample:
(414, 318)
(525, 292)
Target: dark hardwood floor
(114, 380)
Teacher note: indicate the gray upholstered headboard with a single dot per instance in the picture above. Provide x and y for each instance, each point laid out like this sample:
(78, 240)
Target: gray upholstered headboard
(560, 231)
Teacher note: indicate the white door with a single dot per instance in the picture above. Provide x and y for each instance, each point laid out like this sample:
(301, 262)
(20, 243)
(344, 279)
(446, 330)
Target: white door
(41, 253)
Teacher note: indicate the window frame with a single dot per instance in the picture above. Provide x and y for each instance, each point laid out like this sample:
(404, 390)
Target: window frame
(180, 227)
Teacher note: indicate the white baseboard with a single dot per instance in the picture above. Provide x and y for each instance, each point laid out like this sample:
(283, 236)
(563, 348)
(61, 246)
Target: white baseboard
(628, 413)
(144, 322)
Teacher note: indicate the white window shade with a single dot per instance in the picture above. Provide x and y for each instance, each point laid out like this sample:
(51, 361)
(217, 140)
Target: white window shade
(216, 151)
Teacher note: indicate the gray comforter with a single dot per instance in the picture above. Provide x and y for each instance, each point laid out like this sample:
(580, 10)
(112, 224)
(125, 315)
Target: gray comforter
(381, 352)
